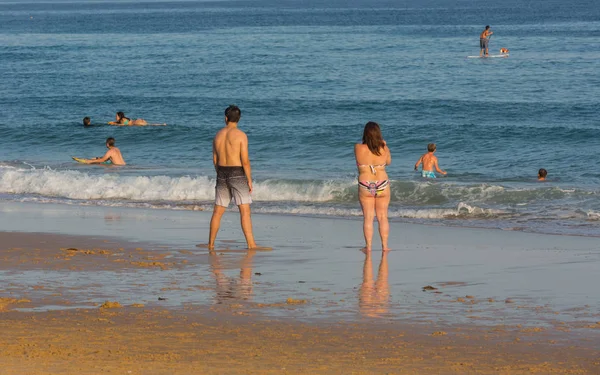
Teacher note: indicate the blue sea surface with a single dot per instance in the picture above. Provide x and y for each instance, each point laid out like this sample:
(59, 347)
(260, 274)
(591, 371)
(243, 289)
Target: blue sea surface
(308, 75)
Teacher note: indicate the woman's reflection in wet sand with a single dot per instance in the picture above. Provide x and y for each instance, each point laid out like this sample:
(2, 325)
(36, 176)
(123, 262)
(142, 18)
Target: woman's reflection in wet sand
(374, 295)
(232, 289)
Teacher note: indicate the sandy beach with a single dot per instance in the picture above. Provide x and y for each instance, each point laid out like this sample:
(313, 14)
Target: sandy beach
(99, 289)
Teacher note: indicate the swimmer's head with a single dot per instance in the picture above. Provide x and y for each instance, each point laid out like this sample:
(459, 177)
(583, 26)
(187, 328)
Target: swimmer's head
(120, 115)
(87, 121)
(233, 114)
(110, 142)
(431, 147)
(542, 173)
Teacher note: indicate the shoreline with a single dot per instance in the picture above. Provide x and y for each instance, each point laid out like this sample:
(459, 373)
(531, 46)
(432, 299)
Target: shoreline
(436, 222)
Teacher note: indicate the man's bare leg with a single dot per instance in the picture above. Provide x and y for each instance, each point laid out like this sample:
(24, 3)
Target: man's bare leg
(247, 225)
(215, 223)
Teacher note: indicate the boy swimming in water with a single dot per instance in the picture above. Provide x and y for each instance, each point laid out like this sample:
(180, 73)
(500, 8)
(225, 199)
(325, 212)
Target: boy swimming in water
(113, 155)
(542, 173)
(429, 161)
(87, 121)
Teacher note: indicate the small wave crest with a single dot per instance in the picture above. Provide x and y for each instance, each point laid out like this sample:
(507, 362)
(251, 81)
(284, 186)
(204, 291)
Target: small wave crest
(478, 199)
(82, 186)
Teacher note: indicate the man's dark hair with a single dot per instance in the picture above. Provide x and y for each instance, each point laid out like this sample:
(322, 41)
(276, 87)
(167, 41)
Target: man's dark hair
(86, 121)
(110, 142)
(542, 173)
(487, 27)
(233, 114)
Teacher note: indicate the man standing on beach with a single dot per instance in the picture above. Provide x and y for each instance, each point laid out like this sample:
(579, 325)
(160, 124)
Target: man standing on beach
(234, 176)
(484, 40)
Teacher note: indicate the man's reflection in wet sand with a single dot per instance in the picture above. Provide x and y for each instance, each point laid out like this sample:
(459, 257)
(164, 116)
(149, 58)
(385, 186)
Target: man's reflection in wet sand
(232, 289)
(374, 296)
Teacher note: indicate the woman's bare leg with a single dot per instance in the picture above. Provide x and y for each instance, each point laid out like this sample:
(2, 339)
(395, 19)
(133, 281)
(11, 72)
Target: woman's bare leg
(367, 202)
(382, 203)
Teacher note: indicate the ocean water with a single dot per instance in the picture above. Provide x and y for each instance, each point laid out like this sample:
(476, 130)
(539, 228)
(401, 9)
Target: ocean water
(308, 75)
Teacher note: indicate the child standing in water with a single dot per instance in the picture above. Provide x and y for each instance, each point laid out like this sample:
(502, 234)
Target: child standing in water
(429, 161)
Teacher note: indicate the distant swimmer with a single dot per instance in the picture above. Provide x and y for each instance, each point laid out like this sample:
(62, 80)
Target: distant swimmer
(542, 173)
(121, 120)
(504, 51)
(484, 40)
(429, 161)
(87, 121)
(113, 155)
(372, 156)
(234, 176)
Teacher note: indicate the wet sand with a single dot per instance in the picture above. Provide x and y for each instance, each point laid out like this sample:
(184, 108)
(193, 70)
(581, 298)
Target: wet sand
(134, 293)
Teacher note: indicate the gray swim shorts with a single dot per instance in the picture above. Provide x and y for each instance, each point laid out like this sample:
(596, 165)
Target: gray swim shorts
(483, 43)
(232, 183)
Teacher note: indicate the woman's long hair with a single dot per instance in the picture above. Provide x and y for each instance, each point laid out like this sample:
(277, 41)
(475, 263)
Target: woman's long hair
(121, 116)
(372, 138)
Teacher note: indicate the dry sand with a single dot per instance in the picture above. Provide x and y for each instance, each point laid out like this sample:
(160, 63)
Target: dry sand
(154, 341)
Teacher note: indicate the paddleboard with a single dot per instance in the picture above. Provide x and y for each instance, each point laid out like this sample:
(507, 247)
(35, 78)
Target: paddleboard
(486, 57)
(82, 160)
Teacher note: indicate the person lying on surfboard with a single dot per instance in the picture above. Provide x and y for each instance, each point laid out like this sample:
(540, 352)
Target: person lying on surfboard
(484, 40)
(113, 154)
(126, 121)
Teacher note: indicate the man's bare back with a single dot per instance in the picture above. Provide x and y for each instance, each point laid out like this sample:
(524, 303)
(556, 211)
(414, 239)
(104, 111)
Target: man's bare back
(228, 145)
(230, 149)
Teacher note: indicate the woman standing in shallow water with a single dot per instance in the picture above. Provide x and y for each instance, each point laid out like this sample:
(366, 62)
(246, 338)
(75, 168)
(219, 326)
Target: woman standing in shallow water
(372, 156)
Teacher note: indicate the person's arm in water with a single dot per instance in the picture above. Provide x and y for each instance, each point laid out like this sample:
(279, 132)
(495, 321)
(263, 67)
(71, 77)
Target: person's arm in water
(120, 122)
(418, 163)
(437, 168)
(246, 160)
(100, 160)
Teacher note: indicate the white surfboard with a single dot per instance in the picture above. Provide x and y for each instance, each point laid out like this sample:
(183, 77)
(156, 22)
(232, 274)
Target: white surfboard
(487, 57)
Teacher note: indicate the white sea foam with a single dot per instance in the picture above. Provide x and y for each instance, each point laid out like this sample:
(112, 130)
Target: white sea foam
(418, 200)
(462, 210)
(593, 215)
(82, 186)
